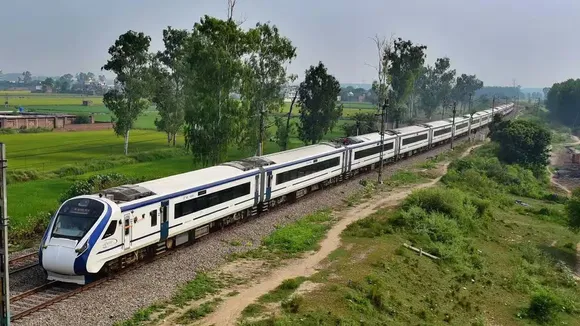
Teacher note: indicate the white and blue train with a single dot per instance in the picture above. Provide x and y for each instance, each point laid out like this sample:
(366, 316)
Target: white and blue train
(101, 233)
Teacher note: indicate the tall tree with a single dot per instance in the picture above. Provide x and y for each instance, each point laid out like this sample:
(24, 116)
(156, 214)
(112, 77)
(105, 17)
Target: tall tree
(27, 77)
(47, 84)
(436, 85)
(403, 61)
(364, 123)
(129, 61)
(168, 85)
(284, 129)
(214, 69)
(318, 98)
(264, 79)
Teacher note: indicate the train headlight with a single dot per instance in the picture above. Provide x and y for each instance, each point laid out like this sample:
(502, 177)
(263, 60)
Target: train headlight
(82, 249)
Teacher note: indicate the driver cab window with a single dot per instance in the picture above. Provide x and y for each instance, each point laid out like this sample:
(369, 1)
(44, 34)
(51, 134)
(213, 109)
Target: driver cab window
(110, 230)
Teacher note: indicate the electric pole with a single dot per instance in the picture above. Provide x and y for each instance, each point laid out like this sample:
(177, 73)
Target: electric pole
(383, 118)
(454, 111)
(261, 134)
(492, 107)
(4, 271)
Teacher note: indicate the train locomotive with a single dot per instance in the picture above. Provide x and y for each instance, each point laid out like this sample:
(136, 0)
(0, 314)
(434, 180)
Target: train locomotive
(102, 233)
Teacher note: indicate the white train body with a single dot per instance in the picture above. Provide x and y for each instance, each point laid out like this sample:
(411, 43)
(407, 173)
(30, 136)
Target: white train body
(99, 233)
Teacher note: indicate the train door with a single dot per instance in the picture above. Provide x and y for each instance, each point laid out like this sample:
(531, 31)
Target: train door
(164, 220)
(269, 178)
(127, 231)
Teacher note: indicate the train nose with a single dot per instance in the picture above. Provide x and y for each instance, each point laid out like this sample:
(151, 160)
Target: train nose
(59, 256)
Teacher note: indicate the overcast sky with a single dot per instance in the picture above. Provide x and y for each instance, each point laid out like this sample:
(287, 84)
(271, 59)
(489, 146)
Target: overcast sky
(533, 41)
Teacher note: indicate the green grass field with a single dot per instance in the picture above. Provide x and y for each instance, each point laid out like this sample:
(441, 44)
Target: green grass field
(57, 99)
(46, 151)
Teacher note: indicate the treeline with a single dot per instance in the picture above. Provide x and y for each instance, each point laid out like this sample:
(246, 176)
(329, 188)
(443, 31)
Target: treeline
(222, 84)
(563, 102)
(80, 83)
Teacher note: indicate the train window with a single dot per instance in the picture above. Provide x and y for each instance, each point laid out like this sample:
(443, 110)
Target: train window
(110, 230)
(127, 226)
(415, 139)
(372, 151)
(306, 170)
(461, 126)
(442, 132)
(213, 199)
(153, 215)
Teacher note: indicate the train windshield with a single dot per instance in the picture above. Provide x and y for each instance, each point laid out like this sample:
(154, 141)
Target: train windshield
(76, 217)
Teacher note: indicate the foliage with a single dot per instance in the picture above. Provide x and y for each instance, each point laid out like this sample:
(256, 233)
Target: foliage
(523, 142)
(562, 101)
(129, 59)
(465, 86)
(301, 236)
(168, 82)
(435, 85)
(364, 123)
(94, 184)
(264, 78)
(573, 211)
(500, 92)
(82, 119)
(543, 308)
(284, 128)
(213, 68)
(317, 98)
(403, 61)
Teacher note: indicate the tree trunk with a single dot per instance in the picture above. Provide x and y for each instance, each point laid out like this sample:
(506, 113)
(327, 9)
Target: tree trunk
(127, 142)
(288, 121)
(261, 132)
(168, 139)
(174, 139)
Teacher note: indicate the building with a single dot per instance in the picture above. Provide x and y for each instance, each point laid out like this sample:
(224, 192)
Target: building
(34, 120)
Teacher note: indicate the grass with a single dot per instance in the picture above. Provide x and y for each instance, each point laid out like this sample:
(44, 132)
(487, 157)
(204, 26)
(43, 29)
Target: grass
(283, 291)
(48, 151)
(194, 314)
(33, 99)
(500, 263)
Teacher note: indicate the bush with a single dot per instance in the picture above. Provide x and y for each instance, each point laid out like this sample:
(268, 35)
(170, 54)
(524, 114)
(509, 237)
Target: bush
(300, 236)
(22, 175)
(293, 304)
(82, 119)
(543, 307)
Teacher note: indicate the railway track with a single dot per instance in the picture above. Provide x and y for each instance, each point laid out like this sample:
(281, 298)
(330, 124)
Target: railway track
(22, 263)
(38, 298)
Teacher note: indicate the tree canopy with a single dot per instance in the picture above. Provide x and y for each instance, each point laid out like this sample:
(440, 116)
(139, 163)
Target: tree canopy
(523, 142)
(318, 104)
(563, 102)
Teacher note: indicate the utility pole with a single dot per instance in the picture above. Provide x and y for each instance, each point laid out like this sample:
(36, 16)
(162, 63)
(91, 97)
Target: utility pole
(383, 118)
(454, 111)
(492, 107)
(4, 271)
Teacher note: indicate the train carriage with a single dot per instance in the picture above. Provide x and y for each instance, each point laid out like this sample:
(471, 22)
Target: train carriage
(364, 151)
(440, 131)
(461, 126)
(411, 139)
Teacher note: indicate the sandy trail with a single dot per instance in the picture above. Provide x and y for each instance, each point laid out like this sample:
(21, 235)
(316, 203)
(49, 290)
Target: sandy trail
(230, 309)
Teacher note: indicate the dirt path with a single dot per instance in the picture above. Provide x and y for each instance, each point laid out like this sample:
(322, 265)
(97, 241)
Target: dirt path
(568, 192)
(229, 310)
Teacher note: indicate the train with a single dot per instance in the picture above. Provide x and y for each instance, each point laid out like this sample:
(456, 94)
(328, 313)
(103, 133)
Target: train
(102, 233)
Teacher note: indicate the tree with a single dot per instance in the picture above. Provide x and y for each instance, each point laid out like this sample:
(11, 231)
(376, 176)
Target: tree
(48, 83)
(403, 61)
(264, 78)
(523, 142)
(573, 211)
(317, 98)
(167, 88)
(27, 77)
(562, 102)
(102, 78)
(64, 83)
(545, 91)
(214, 68)
(380, 87)
(464, 86)
(364, 123)
(129, 61)
(283, 131)
(435, 85)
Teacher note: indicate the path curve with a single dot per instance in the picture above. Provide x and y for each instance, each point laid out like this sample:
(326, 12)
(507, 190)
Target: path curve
(230, 309)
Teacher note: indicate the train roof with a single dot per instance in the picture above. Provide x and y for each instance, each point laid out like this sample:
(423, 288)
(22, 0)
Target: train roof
(438, 123)
(409, 129)
(302, 152)
(372, 137)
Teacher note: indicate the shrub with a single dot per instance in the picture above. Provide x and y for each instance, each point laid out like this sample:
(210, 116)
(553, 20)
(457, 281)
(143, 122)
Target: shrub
(82, 119)
(93, 184)
(543, 307)
(293, 304)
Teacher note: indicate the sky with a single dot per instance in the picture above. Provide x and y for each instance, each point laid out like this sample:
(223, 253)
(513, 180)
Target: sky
(534, 42)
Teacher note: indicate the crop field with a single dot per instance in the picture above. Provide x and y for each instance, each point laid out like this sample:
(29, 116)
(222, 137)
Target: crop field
(31, 100)
(349, 110)
(51, 150)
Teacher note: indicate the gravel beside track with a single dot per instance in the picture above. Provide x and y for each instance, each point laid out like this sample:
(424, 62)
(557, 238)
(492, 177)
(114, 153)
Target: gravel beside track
(118, 299)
